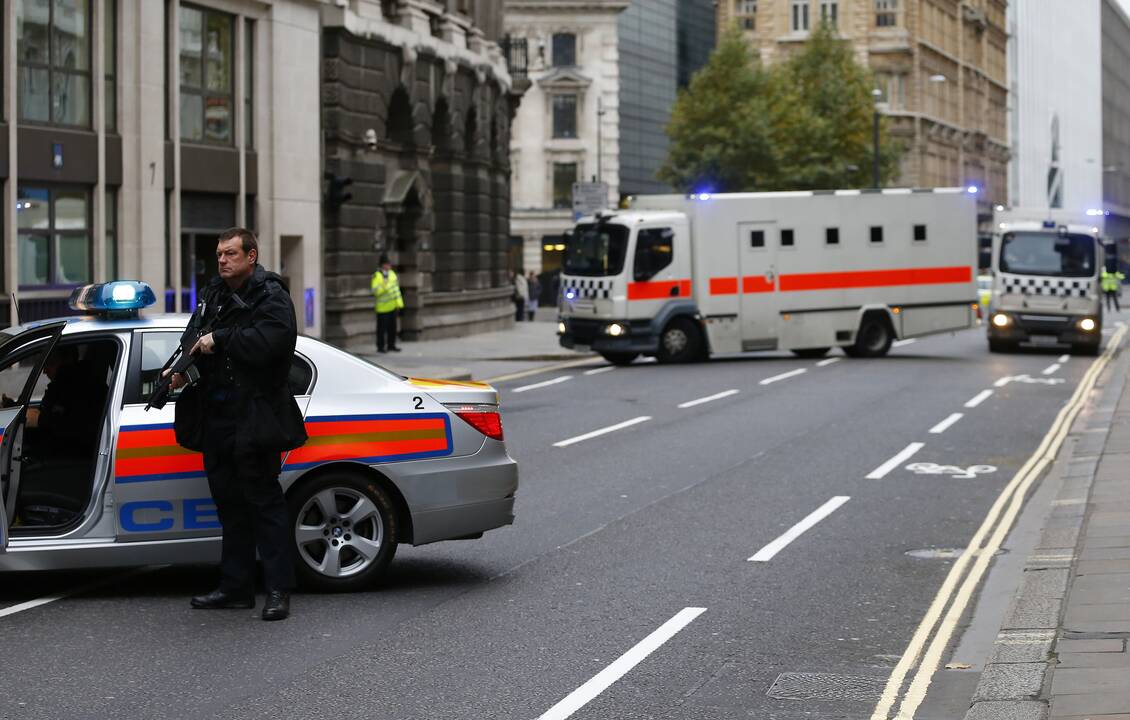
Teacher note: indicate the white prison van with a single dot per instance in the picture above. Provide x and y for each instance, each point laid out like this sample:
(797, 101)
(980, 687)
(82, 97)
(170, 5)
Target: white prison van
(1047, 266)
(681, 277)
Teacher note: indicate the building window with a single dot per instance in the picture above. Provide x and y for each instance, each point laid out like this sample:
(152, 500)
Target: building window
(746, 10)
(798, 15)
(886, 13)
(54, 235)
(110, 61)
(53, 53)
(893, 87)
(206, 75)
(564, 175)
(564, 50)
(564, 116)
(829, 12)
(248, 83)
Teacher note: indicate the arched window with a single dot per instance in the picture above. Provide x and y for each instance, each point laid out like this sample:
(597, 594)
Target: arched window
(471, 131)
(441, 126)
(400, 126)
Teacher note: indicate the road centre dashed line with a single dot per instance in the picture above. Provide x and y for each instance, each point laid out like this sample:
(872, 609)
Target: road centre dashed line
(829, 361)
(783, 376)
(905, 454)
(1063, 358)
(620, 667)
(901, 343)
(106, 580)
(708, 398)
(766, 553)
(544, 383)
(599, 370)
(945, 424)
(1051, 369)
(602, 431)
(978, 398)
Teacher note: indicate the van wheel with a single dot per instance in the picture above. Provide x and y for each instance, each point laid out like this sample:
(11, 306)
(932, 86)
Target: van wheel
(811, 352)
(680, 342)
(344, 530)
(873, 339)
(619, 358)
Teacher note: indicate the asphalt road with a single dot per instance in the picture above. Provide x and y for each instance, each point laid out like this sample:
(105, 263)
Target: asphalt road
(643, 533)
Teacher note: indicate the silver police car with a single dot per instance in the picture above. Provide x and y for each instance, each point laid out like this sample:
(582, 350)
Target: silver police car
(89, 478)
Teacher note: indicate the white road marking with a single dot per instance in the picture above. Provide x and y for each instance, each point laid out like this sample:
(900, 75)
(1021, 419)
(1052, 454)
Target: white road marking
(1063, 358)
(967, 473)
(40, 602)
(1001, 382)
(900, 343)
(542, 384)
(600, 682)
(904, 455)
(603, 431)
(783, 376)
(1050, 369)
(944, 425)
(600, 370)
(829, 361)
(708, 398)
(978, 398)
(766, 553)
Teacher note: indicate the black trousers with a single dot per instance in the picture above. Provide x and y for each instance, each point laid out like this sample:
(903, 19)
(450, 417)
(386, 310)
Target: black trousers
(253, 512)
(1112, 299)
(386, 331)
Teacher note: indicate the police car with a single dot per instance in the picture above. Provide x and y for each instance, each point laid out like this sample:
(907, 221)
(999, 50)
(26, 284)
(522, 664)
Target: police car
(89, 478)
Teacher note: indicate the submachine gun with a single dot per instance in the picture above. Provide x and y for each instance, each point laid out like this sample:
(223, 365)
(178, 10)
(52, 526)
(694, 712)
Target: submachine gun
(182, 360)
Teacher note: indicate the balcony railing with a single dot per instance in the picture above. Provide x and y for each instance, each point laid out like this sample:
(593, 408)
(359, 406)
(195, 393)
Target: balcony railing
(517, 58)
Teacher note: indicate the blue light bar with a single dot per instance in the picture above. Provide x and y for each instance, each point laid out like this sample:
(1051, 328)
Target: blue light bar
(972, 189)
(121, 297)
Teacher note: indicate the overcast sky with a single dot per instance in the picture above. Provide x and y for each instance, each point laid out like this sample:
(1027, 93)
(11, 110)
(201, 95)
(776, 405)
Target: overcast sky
(1125, 6)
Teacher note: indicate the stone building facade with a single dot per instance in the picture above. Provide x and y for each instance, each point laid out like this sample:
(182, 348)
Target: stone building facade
(941, 66)
(416, 108)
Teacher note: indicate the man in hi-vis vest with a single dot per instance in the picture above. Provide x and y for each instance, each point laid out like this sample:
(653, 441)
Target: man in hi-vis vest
(386, 291)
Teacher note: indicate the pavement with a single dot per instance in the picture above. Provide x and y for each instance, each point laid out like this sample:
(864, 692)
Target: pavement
(524, 347)
(1061, 652)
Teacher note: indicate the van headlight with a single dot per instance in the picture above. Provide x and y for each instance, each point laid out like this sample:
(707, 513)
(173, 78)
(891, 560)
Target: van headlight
(1087, 324)
(560, 327)
(1001, 320)
(615, 330)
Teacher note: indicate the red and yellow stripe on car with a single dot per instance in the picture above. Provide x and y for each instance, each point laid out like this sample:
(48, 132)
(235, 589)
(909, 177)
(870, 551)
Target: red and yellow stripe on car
(150, 452)
(440, 384)
(372, 439)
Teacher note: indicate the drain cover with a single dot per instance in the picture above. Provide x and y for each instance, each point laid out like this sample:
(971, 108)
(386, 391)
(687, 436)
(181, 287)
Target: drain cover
(826, 686)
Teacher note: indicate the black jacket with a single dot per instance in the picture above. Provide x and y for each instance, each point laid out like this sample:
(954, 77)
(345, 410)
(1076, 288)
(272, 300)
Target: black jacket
(245, 380)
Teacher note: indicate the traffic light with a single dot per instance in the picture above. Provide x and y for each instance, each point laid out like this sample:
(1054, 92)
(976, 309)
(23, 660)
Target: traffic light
(336, 194)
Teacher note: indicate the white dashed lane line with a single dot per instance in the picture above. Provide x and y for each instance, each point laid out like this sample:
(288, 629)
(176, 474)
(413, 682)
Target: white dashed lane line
(1051, 369)
(600, 682)
(944, 425)
(1063, 358)
(829, 361)
(708, 398)
(602, 431)
(905, 454)
(783, 376)
(903, 343)
(978, 398)
(545, 383)
(766, 553)
(600, 370)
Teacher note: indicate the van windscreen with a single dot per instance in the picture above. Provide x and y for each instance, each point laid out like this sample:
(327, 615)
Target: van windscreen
(1037, 253)
(596, 250)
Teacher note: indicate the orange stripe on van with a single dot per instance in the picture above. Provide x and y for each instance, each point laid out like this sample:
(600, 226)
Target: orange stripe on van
(659, 290)
(724, 286)
(756, 284)
(876, 278)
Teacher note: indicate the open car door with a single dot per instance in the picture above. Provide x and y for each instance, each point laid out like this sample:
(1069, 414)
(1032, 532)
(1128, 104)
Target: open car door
(21, 361)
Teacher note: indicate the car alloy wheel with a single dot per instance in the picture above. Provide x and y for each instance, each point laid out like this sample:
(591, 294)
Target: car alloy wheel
(339, 532)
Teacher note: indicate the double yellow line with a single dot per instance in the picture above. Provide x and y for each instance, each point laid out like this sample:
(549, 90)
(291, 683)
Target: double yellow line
(929, 642)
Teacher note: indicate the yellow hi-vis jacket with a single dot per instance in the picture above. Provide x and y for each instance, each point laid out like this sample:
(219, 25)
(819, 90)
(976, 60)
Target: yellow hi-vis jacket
(1112, 281)
(386, 291)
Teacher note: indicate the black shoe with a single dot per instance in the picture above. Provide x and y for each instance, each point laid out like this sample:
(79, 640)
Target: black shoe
(381, 351)
(394, 349)
(277, 605)
(223, 600)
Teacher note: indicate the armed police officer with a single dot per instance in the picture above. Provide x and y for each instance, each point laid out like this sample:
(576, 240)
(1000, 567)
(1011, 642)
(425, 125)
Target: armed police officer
(242, 416)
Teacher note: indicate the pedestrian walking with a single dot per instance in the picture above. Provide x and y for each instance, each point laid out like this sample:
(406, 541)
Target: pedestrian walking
(1112, 287)
(386, 292)
(241, 415)
(521, 295)
(534, 288)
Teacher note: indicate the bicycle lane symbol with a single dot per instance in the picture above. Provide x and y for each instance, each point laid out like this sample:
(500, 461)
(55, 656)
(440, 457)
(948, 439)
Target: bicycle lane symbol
(954, 471)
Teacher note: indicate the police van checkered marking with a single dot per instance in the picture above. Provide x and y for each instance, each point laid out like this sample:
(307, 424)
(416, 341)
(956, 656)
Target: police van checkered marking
(1049, 287)
(588, 289)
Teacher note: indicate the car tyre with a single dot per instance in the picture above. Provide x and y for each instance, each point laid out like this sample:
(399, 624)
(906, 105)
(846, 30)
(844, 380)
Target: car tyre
(619, 358)
(873, 339)
(811, 352)
(345, 531)
(680, 342)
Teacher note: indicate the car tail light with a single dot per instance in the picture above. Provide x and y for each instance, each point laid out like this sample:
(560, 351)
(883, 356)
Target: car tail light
(484, 418)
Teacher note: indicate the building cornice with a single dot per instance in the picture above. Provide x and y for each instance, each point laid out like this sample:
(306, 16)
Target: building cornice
(566, 6)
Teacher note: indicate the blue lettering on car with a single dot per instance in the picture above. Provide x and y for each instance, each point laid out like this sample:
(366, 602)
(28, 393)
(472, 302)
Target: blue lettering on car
(195, 514)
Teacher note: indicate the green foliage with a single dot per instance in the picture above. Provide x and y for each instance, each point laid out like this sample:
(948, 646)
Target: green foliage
(804, 123)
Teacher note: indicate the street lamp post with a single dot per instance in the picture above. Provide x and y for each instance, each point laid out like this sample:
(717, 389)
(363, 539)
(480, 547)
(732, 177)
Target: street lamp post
(875, 181)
